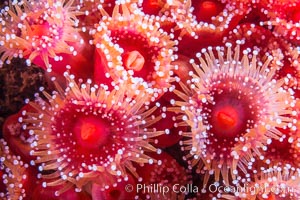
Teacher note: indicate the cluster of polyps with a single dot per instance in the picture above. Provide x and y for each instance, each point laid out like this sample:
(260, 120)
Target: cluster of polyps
(212, 83)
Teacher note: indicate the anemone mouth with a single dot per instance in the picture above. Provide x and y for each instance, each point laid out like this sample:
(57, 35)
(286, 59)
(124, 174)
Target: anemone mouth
(232, 112)
(139, 55)
(89, 133)
(226, 119)
(234, 108)
(81, 133)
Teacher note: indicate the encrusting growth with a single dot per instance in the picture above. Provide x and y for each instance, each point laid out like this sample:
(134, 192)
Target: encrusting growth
(195, 96)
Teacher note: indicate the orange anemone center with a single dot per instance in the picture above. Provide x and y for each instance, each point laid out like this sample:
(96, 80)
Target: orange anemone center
(134, 60)
(227, 117)
(208, 6)
(153, 2)
(40, 30)
(91, 132)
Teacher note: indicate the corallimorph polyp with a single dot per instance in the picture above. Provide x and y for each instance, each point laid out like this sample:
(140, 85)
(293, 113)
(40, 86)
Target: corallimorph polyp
(233, 107)
(87, 133)
(38, 29)
(129, 52)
